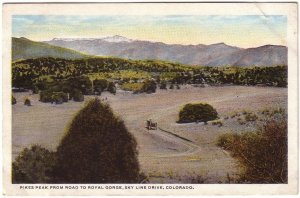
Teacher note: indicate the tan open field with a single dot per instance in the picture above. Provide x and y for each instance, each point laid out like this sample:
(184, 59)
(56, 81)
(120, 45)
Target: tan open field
(175, 153)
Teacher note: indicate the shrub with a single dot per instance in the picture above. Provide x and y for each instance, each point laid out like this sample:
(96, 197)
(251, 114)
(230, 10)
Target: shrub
(59, 97)
(227, 140)
(217, 122)
(163, 85)
(46, 96)
(100, 85)
(197, 113)
(111, 87)
(263, 153)
(13, 100)
(35, 90)
(77, 96)
(64, 96)
(57, 100)
(265, 112)
(234, 114)
(149, 86)
(278, 111)
(82, 83)
(51, 96)
(27, 102)
(171, 86)
(33, 165)
(177, 86)
(97, 148)
(251, 117)
(241, 121)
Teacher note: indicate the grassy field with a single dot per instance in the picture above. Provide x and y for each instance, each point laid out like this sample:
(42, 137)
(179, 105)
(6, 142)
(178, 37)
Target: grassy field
(175, 153)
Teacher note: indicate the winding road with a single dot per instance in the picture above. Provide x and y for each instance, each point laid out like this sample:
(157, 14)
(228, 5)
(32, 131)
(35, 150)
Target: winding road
(191, 148)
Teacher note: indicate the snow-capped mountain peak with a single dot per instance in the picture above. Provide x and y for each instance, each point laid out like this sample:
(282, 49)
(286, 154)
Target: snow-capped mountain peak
(72, 39)
(116, 39)
(112, 39)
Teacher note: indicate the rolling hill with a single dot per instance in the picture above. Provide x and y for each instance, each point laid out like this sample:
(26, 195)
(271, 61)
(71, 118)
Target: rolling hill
(23, 48)
(267, 55)
(207, 55)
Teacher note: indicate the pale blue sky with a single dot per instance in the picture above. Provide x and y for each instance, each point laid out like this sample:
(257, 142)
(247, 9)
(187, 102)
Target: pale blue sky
(237, 30)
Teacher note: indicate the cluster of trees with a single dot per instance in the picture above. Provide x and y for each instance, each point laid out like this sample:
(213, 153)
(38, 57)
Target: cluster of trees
(32, 72)
(73, 88)
(268, 76)
(26, 72)
(97, 148)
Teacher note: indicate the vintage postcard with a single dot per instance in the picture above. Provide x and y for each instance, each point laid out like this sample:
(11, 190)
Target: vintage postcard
(150, 99)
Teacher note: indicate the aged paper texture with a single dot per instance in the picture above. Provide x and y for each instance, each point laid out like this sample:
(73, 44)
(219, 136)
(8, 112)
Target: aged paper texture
(150, 99)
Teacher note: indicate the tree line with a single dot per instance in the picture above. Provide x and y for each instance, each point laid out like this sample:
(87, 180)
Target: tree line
(31, 73)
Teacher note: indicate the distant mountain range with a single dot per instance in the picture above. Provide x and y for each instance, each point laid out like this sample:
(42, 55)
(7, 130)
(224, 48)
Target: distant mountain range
(207, 55)
(23, 48)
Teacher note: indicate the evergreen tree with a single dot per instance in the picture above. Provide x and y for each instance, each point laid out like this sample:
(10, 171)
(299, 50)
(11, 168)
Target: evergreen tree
(97, 148)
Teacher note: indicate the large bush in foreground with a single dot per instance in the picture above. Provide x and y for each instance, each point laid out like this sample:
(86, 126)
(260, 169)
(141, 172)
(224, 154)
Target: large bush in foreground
(33, 165)
(97, 148)
(198, 112)
(263, 154)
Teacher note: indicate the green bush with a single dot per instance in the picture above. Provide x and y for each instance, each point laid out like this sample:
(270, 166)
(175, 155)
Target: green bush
(251, 117)
(35, 90)
(149, 86)
(46, 96)
(82, 83)
(263, 154)
(77, 96)
(227, 140)
(163, 85)
(59, 97)
(100, 85)
(217, 122)
(13, 100)
(97, 148)
(111, 88)
(27, 102)
(51, 96)
(198, 112)
(33, 165)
